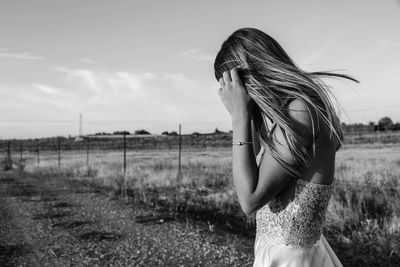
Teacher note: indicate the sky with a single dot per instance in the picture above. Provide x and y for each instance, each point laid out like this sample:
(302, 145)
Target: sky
(129, 65)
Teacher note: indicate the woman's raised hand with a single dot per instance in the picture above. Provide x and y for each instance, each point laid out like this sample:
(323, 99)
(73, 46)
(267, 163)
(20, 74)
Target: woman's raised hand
(234, 95)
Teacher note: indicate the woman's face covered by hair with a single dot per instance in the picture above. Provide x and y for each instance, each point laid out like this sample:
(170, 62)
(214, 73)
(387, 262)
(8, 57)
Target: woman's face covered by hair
(272, 79)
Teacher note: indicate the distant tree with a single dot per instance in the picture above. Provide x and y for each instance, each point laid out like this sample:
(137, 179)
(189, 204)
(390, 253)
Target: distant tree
(217, 131)
(195, 134)
(141, 132)
(121, 133)
(396, 126)
(169, 133)
(101, 133)
(385, 124)
(358, 128)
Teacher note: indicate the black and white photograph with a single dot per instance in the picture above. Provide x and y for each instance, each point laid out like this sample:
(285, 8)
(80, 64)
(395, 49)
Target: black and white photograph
(258, 133)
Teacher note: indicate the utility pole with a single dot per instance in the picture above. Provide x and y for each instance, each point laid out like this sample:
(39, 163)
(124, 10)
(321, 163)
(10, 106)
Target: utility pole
(179, 155)
(124, 153)
(20, 150)
(38, 152)
(80, 124)
(59, 151)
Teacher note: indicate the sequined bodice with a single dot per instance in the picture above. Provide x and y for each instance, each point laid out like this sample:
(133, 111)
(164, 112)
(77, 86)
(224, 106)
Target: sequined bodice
(300, 222)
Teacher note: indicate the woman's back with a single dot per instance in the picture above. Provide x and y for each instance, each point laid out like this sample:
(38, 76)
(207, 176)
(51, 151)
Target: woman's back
(322, 167)
(322, 164)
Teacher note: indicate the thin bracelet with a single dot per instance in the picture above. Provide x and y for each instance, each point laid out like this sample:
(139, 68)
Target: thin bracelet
(241, 143)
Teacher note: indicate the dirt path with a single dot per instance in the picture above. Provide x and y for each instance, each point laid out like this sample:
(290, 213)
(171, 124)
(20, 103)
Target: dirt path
(52, 222)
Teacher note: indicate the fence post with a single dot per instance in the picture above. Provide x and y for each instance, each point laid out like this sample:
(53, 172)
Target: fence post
(179, 156)
(20, 152)
(38, 151)
(59, 152)
(87, 151)
(124, 153)
(8, 160)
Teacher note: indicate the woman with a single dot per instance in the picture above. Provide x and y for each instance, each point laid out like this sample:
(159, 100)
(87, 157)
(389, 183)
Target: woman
(285, 136)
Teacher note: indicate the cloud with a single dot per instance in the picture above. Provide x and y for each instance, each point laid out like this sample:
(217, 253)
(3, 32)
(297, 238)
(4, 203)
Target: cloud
(45, 88)
(103, 82)
(188, 52)
(35, 102)
(381, 45)
(142, 95)
(86, 60)
(4, 53)
(196, 55)
(315, 55)
(390, 75)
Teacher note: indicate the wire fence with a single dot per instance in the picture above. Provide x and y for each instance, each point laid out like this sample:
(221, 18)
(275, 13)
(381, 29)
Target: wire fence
(62, 148)
(58, 151)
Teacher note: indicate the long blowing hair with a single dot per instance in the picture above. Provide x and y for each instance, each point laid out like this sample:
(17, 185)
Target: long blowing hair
(272, 79)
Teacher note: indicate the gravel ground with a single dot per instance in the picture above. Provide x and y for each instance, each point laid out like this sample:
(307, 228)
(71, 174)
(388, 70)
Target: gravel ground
(52, 222)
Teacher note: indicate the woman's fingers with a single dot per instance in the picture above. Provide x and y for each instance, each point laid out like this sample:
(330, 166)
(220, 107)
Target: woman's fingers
(235, 76)
(227, 77)
(220, 91)
(221, 83)
(231, 77)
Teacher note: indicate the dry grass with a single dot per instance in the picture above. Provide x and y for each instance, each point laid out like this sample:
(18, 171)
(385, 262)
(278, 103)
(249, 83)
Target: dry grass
(363, 219)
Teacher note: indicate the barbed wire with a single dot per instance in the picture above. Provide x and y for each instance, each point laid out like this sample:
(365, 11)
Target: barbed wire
(347, 133)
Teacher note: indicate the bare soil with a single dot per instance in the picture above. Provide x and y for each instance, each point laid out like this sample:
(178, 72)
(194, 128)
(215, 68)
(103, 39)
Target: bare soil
(47, 221)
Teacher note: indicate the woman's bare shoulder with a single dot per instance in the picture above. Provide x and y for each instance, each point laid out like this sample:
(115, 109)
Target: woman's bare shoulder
(305, 118)
(301, 112)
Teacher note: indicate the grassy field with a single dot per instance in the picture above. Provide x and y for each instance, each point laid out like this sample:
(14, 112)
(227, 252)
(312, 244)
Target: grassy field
(363, 219)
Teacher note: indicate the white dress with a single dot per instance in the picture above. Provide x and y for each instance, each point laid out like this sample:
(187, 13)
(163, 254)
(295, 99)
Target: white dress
(291, 236)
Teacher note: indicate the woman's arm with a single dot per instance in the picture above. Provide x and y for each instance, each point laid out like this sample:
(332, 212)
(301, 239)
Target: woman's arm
(244, 167)
(256, 186)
